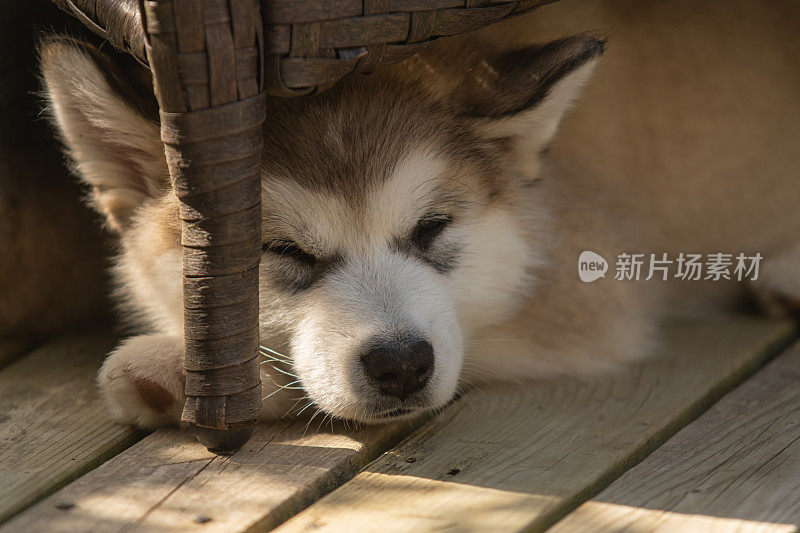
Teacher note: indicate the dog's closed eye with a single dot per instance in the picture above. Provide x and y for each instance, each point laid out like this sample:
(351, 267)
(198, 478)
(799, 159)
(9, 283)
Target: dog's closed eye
(290, 250)
(430, 227)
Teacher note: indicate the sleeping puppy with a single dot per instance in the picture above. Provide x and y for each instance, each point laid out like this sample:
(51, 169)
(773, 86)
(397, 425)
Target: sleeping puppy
(414, 238)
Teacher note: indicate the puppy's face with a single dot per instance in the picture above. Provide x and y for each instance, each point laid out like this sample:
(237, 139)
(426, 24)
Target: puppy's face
(400, 214)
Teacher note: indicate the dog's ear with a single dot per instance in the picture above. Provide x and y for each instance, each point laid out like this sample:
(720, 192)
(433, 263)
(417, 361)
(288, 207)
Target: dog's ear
(113, 147)
(522, 95)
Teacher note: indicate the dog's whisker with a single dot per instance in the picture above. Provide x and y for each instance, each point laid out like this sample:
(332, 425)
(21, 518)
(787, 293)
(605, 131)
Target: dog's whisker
(325, 417)
(284, 372)
(292, 407)
(280, 388)
(305, 429)
(312, 402)
(298, 400)
(290, 374)
(279, 361)
(270, 355)
(278, 368)
(264, 349)
(270, 361)
(321, 423)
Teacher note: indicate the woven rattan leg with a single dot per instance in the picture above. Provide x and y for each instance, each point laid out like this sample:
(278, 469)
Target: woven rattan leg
(206, 61)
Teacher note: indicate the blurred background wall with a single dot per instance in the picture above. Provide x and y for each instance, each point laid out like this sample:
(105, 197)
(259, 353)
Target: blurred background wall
(52, 254)
(693, 116)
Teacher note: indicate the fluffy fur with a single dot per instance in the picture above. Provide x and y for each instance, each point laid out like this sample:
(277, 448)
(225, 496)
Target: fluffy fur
(355, 181)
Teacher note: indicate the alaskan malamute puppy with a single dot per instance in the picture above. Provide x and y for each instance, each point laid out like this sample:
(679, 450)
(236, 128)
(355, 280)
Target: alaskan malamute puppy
(414, 239)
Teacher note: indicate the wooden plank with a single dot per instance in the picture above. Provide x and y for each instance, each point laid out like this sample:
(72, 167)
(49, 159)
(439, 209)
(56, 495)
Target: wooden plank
(736, 468)
(53, 426)
(521, 457)
(169, 482)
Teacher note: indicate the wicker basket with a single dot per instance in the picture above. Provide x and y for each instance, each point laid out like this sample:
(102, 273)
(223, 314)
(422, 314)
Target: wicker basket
(213, 62)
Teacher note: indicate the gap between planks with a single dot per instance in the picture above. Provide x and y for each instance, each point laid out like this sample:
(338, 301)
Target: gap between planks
(735, 468)
(508, 457)
(53, 425)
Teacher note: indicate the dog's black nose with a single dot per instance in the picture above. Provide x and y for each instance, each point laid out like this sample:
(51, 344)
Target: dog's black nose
(399, 368)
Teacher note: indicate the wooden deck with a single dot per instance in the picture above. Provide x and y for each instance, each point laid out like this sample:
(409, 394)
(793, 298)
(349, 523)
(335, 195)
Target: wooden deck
(702, 437)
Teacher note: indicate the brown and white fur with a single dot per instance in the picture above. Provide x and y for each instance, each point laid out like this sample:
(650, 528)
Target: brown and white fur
(411, 205)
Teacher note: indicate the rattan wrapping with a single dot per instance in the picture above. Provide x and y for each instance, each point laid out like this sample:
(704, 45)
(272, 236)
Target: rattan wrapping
(205, 58)
(310, 44)
(117, 21)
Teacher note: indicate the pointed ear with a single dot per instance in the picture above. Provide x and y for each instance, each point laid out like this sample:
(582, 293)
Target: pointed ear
(524, 93)
(113, 147)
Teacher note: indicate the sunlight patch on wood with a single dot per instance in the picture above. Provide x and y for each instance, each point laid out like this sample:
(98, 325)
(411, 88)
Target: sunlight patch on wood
(601, 516)
(480, 503)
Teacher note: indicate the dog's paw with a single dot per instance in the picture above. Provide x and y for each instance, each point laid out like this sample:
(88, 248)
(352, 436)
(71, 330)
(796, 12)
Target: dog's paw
(142, 381)
(777, 289)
